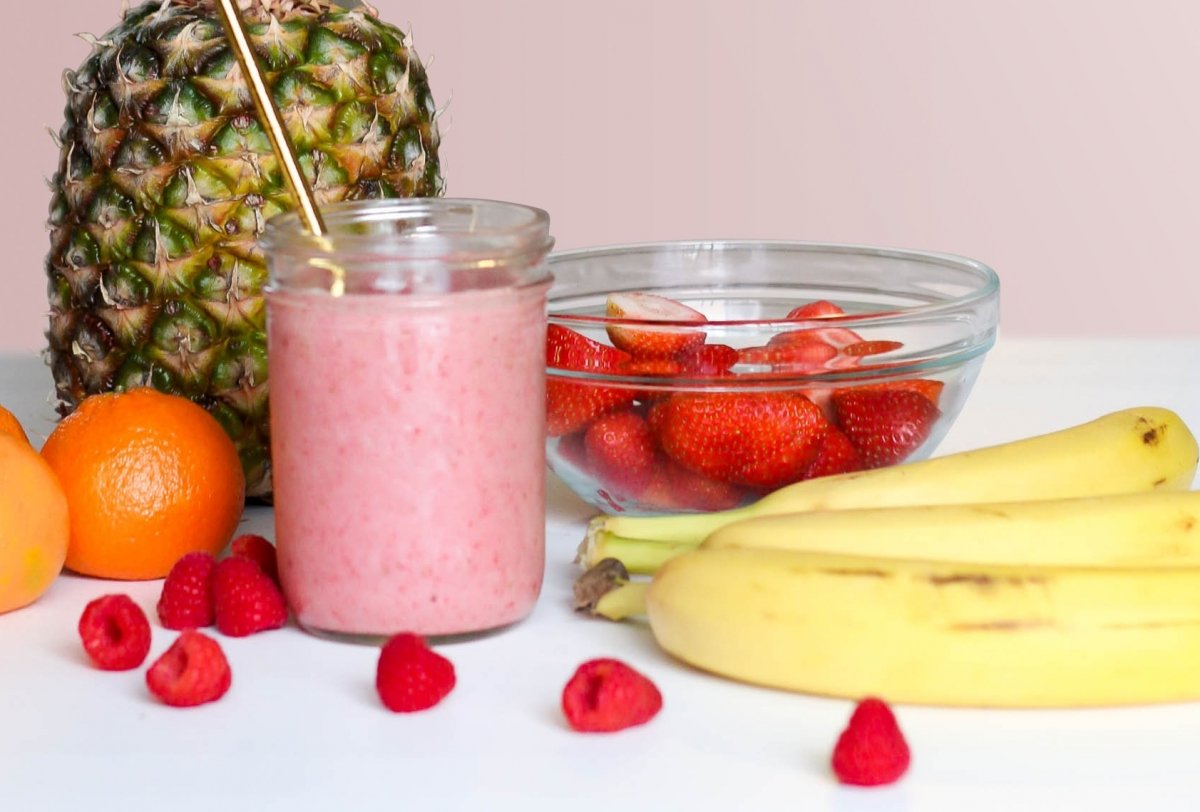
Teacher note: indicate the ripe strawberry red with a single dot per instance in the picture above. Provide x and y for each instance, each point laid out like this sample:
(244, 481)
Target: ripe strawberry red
(572, 404)
(871, 751)
(259, 550)
(837, 455)
(410, 676)
(818, 309)
(245, 599)
(621, 452)
(928, 387)
(653, 341)
(759, 439)
(692, 491)
(115, 633)
(186, 601)
(606, 695)
(885, 425)
(191, 672)
(707, 360)
(861, 349)
(790, 355)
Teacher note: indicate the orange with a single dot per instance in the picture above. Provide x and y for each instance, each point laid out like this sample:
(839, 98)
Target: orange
(34, 525)
(11, 426)
(149, 477)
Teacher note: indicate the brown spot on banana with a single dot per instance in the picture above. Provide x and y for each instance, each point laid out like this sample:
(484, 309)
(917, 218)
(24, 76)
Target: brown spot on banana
(1002, 626)
(985, 581)
(855, 573)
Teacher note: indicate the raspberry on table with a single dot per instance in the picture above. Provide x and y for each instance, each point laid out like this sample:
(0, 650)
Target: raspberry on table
(871, 750)
(259, 550)
(186, 601)
(191, 672)
(606, 695)
(115, 633)
(245, 599)
(410, 676)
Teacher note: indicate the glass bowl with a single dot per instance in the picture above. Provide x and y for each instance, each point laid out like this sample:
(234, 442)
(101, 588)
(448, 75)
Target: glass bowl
(790, 360)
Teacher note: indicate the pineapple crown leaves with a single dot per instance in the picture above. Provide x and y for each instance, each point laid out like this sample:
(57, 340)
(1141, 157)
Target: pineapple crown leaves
(280, 9)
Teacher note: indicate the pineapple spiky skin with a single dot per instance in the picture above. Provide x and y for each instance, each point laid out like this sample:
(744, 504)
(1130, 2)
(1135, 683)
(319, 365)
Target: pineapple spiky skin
(166, 179)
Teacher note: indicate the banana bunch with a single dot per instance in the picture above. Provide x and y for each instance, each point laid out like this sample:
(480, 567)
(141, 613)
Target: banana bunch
(1075, 585)
(1133, 450)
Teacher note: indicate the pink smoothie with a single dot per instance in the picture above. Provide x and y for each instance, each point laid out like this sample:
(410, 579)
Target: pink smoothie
(408, 458)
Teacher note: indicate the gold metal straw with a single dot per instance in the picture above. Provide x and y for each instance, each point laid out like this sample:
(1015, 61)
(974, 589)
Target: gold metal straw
(282, 145)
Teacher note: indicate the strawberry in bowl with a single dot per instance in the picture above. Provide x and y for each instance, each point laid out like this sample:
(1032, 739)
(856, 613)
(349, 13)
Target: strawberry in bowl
(700, 376)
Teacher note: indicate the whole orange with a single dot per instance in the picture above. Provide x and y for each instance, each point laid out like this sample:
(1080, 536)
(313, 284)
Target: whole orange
(34, 525)
(149, 477)
(11, 426)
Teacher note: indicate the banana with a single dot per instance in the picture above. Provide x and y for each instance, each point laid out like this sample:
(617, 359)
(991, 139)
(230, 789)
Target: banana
(1138, 529)
(1141, 449)
(937, 633)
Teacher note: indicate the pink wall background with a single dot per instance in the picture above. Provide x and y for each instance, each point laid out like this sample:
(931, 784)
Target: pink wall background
(1057, 140)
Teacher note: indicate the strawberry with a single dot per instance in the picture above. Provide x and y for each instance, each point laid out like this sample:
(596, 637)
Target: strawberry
(871, 751)
(931, 389)
(689, 490)
(707, 360)
(759, 439)
(621, 452)
(571, 451)
(818, 309)
(837, 455)
(572, 404)
(663, 340)
(885, 425)
(789, 356)
(860, 349)
(606, 695)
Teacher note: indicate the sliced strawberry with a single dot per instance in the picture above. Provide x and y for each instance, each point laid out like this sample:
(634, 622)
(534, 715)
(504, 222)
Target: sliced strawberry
(759, 439)
(653, 341)
(707, 360)
(621, 452)
(860, 349)
(652, 368)
(571, 405)
(837, 455)
(819, 309)
(885, 425)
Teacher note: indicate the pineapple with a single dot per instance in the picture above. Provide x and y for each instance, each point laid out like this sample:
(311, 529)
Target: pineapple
(166, 178)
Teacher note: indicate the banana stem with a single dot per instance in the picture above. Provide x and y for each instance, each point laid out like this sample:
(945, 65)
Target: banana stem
(640, 556)
(626, 601)
(604, 590)
(685, 527)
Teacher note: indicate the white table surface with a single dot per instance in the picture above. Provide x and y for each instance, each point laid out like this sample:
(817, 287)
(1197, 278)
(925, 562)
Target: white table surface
(301, 727)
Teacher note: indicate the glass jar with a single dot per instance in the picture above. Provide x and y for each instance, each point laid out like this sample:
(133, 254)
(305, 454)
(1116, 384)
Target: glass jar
(407, 405)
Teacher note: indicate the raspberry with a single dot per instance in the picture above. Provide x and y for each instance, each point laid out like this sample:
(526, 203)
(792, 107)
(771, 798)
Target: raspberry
(115, 633)
(191, 672)
(186, 601)
(871, 750)
(258, 550)
(245, 599)
(606, 695)
(410, 676)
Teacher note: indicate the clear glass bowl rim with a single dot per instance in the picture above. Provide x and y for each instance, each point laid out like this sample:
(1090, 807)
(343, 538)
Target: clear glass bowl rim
(988, 288)
(984, 295)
